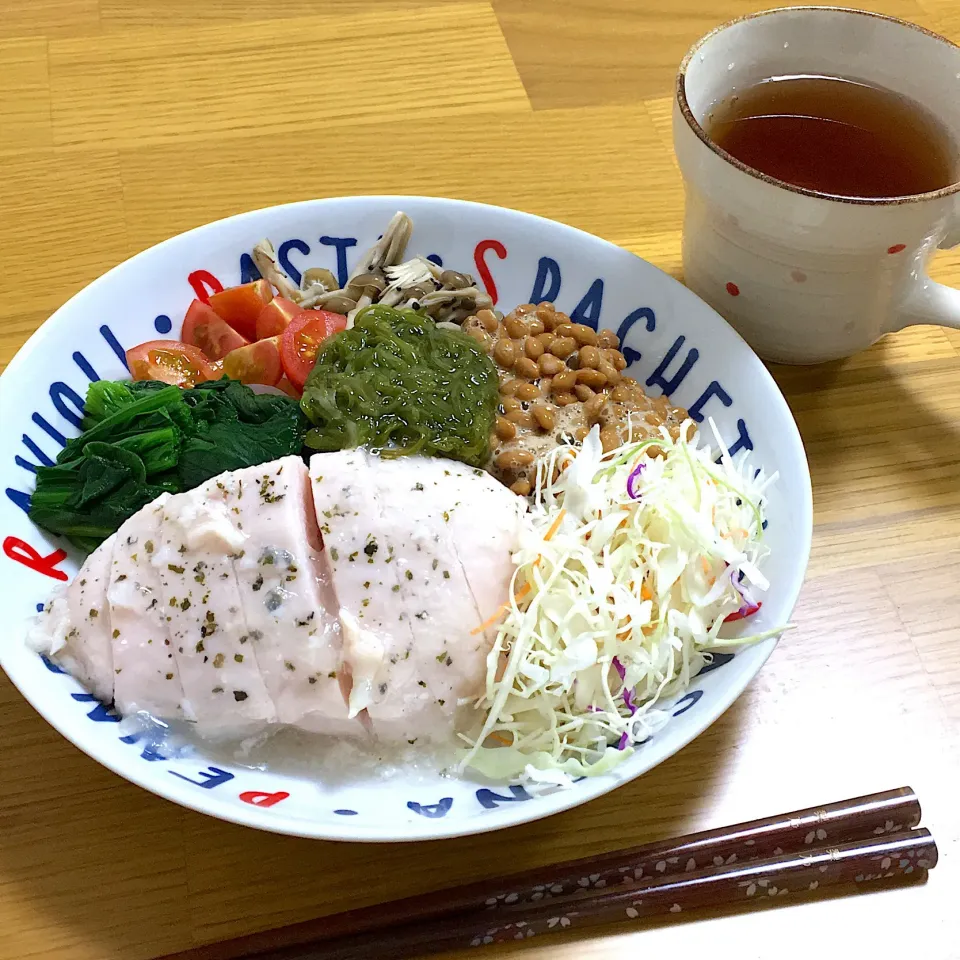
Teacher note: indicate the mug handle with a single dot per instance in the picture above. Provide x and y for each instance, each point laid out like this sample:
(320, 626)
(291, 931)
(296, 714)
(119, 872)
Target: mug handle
(932, 302)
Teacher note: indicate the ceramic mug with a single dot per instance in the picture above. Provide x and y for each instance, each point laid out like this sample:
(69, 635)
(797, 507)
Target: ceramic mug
(805, 277)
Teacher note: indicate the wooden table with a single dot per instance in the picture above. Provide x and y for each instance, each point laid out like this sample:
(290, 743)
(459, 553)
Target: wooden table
(123, 122)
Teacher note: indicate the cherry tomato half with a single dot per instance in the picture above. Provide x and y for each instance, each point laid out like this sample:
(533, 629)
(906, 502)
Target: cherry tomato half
(204, 328)
(255, 363)
(240, 306)
(302, 339)
(275, 317)
(169, 361)
(289, 389)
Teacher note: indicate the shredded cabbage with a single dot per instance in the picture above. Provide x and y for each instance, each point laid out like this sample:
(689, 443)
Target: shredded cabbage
(627, 568)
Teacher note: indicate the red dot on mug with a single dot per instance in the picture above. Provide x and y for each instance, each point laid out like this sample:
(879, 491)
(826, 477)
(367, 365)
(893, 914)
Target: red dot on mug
(733, 289)
(896, 248)
(799, 276)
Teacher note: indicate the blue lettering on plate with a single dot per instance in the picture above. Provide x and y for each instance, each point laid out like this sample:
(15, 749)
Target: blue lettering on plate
(670, 385)
(688, 699)
(342, 244)
(214, 778)
(283, 258)
(489, 800)
(432, 810)
(345, 813)
(743, 441)
(435, 258)
(26, 464)
(149, 752)
(588, 309)
(100, 713)
(36, 451)
(81, 361)
(713, 390)
(114, 343)
(47, 662)
(634, 317)
(59, 393)
(162, 324)
(248, 269)
(548, 272)
(719, 659)
(50, 431)
(21, 499)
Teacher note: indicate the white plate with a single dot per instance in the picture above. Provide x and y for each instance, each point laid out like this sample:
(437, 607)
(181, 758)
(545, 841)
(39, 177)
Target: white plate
(675, 342)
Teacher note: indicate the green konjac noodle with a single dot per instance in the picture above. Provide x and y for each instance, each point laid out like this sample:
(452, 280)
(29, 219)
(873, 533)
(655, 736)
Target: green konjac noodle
(399, 384)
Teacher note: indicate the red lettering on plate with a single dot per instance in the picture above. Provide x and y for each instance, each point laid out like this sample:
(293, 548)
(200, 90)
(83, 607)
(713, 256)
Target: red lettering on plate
(22, 552)
(259, 799)
(482, 247)
(204, 284)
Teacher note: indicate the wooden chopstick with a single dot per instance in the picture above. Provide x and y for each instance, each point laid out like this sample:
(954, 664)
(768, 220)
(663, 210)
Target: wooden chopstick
(910, 852)
(844, 823)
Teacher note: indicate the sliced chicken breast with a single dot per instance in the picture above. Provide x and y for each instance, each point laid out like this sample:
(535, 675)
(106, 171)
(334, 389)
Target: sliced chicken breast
(483, 530)
(375, 627)
(418, 500)
(287, 595)
(199, 537)
(406, 508)
(74, 628)
(146, 674)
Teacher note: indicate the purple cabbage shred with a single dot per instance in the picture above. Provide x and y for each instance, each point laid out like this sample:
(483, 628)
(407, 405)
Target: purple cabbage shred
(631, 480)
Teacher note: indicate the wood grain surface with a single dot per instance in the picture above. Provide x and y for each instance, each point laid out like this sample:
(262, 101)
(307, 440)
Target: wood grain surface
(123, 122)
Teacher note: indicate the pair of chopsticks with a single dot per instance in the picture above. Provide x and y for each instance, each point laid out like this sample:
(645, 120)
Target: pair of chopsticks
(871, 838)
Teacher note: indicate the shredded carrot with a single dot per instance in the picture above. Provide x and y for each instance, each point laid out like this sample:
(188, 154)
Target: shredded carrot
(734, 531)
(555, 526)
(706, 566)
(500, 738)
(518, 596)
(645, 592)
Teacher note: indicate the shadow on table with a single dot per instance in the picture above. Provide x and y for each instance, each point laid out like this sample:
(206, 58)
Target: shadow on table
(93, 866)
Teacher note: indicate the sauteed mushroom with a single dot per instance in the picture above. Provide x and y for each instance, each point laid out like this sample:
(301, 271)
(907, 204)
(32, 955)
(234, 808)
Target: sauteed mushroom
(380, 277)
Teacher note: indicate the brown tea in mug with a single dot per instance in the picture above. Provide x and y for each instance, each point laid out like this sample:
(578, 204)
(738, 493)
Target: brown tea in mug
(836, 136)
